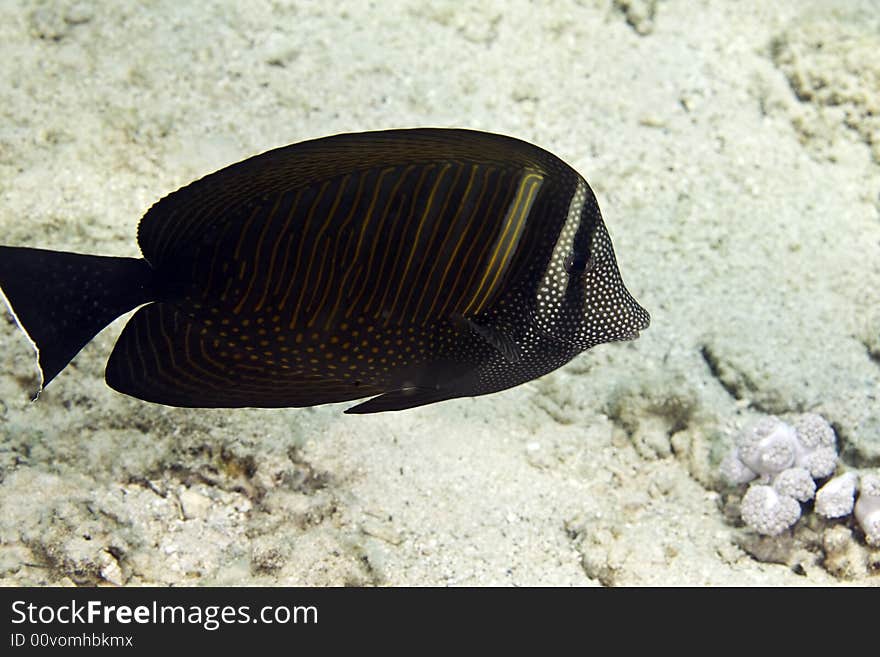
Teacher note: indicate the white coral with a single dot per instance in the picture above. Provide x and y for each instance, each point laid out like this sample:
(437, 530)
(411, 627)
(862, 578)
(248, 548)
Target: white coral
(734, 470)
(867, 508)
(768, 512)
(772, 446)
(796, 483)
(786, 459)
(813, 430)
(817, 444)
(769, 448)
(835, 499)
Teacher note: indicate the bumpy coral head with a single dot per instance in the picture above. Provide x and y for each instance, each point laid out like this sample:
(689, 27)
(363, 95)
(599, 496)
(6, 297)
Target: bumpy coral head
(867, 508)
(768, 512)
(770, 447)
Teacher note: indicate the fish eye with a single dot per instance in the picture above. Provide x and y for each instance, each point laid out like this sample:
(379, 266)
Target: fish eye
(578, 264)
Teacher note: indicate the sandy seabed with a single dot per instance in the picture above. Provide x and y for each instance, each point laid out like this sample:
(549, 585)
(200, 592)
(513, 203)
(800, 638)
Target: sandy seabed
(735, 151)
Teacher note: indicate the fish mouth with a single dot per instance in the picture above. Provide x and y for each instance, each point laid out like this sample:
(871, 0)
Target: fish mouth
(641, 321)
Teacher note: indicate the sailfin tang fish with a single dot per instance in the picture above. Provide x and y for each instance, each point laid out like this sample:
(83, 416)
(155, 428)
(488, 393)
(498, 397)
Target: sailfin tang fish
(410, 266)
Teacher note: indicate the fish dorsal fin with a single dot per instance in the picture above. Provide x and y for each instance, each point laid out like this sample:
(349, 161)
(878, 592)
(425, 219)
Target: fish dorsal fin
(186, 214)
(395, 228)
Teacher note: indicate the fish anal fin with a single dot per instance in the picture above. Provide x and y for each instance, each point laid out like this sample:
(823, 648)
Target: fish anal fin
(163, 357)
(400, 400)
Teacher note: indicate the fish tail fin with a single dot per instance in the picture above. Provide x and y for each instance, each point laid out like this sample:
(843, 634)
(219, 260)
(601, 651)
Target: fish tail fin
(62, 300)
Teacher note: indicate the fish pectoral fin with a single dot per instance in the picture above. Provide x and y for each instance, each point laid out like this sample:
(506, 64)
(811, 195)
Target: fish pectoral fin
(498, 339)
(399, 400)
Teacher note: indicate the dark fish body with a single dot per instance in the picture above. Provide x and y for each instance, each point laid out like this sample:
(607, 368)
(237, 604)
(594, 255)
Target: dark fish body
(411, 266)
